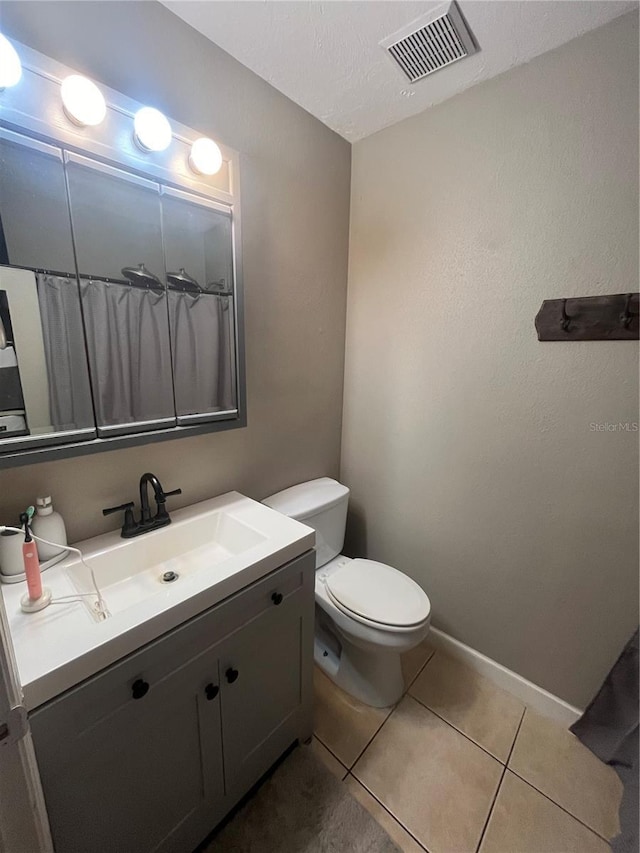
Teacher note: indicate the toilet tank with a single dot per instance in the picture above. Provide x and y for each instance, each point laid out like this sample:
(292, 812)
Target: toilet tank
(321, 504)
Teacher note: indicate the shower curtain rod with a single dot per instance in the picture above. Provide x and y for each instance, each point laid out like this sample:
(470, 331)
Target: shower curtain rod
(122, 281)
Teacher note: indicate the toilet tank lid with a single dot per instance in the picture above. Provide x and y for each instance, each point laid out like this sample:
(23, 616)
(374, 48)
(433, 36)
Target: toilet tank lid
(306, 498)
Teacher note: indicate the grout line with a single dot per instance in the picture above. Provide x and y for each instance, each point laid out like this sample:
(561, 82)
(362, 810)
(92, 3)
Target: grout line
(526, 781)
(524, 711)
(562, 808)
(392, 711)
(390, 813)
(328, 748)
(495, 796)
(468, 737)
(419, 672)
(371, 739)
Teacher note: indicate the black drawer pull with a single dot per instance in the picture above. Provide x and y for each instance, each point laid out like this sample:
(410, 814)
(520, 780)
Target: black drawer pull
(276, 598)
(139, 688)
(232, 675)
(211, 691)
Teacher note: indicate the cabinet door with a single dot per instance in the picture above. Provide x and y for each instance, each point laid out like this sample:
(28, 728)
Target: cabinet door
(135, 779)
(261, 688)
(117, 229)
(198, 246)
(45, 395)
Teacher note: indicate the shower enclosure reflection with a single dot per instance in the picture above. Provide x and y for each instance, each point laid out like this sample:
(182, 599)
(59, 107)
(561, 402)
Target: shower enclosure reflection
(44, 381)
(117, 310)
(44, 384)
(198, 238)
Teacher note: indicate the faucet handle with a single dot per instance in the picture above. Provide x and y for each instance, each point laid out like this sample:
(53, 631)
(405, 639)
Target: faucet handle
(123, 507)
(174, 492)
(129, 527)
(161, 499)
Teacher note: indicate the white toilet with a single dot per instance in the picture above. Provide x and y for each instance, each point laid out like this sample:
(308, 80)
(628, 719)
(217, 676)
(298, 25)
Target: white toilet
(367, 613)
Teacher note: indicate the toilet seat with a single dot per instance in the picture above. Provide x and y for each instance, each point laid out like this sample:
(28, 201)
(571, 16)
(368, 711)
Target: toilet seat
(377, 595)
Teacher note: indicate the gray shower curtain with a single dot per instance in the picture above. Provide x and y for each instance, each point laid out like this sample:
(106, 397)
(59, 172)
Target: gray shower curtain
(69, 389)
(129, 353)
(201, 333)
(609, 727)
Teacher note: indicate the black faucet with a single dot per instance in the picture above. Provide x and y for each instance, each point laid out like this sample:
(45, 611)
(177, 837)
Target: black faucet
(147, 522)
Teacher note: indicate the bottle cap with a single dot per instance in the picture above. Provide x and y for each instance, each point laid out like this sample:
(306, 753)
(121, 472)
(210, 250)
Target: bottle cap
(45, 505)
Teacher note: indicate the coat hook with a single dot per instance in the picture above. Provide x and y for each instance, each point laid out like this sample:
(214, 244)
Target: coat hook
(626, 317)
(566, 320)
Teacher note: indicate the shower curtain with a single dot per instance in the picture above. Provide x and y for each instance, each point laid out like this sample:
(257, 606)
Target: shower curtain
(63, 335)
(609, 727)
(129, 354)
(201, 332)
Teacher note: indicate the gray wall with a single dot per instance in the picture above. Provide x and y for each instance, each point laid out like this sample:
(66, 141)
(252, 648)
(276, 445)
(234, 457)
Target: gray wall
(295, 208)
(468, 445)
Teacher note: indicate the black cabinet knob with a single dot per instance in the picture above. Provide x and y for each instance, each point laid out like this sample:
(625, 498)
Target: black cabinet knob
(211, 691)
(232, 675)
(139, 688)
(276, 598)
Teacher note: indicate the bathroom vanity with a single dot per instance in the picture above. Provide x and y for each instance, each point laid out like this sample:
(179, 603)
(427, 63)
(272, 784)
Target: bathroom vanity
(153, 750)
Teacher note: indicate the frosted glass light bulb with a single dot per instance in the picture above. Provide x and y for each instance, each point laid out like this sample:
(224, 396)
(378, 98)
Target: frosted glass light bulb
(152, 129)
(83, 102)
(10, 65)
(205, 157)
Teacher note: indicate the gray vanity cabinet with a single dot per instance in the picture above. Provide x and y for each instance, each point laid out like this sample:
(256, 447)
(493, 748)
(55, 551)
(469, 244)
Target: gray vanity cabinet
(129, 778)
(151, 753)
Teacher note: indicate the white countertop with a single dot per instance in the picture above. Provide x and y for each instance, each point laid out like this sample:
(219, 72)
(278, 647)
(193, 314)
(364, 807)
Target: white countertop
(62, 645)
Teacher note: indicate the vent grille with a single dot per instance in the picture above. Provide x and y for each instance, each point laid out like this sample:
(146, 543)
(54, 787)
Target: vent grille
(430, 44)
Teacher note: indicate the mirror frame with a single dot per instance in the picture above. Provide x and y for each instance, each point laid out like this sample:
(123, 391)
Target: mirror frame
(33, 108)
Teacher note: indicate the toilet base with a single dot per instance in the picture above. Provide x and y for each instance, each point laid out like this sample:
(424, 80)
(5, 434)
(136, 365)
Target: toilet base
(373, 677)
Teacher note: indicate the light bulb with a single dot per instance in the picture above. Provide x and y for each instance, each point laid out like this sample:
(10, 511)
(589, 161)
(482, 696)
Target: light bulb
(152, 129)
(10, 66)
(83, 102)
(205, 157)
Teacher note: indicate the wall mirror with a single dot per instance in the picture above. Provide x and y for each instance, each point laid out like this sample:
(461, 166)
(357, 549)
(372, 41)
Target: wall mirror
(120, 284)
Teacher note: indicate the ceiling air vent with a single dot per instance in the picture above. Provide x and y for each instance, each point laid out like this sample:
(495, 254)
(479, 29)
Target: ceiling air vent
(431, 43)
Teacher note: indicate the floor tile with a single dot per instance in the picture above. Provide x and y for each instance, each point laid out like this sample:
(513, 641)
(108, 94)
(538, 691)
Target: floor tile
(342, 723)
(524, 821)
(470, 702)
(391, 826)
(415, 659)
(328, 759)
(554, 761)
(433, 779)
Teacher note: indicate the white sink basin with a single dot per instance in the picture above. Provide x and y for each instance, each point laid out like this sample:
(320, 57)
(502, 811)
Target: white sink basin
(216, 548)
(134, 569)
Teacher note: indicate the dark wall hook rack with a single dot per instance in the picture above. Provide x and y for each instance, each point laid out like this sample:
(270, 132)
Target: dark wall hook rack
(590, 318)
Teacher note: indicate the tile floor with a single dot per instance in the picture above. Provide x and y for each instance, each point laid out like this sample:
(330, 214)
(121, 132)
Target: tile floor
(459, 766)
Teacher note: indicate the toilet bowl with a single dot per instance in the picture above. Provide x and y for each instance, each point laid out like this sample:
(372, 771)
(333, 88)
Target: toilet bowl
(367, 613)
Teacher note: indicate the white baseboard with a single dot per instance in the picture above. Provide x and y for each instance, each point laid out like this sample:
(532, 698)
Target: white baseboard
(534, 697)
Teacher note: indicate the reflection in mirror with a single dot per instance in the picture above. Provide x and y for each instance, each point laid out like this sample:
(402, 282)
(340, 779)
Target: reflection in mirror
(44, 381)
(117, 301)
(44, 384)
(118, 236)
(199, 262)
(35, 228)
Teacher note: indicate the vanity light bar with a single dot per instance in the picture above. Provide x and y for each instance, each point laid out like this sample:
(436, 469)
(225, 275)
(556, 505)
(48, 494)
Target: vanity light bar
(205, 157)
(152, 129)
(83, 102)
(85, 106)
(10, 65)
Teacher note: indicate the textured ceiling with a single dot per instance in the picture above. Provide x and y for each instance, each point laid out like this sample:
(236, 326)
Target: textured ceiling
(326, 57)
